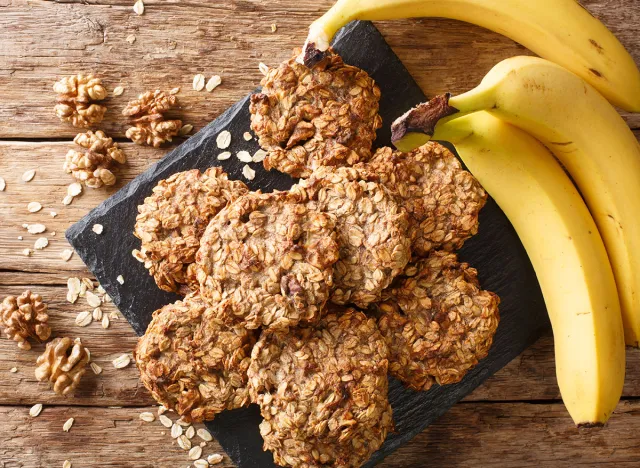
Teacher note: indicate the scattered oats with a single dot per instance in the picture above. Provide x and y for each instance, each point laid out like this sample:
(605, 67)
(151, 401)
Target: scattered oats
(26, 252)
(205, 435)
(87, 351)
(274, 27)
(36, 228)
(66, 464)
(84, 319)
(95, 368)
(147, 417)
(88, 284)
(66, 254)
(67, 200)
(186, 129)
(161, 410)
(92, 299)
(35, 410)
(131, 38)
(29, 175)
(175, 90)
(215, 459)
(190, 432)
(83, 290)
(244, 156)
(203, 444)
(183, 423)
(214, 82)
(13, 370)
(74, 189)
(201, 464)
(53, 233)
(99, 289)
(138, 7)
(263, 68)
(105, 322)
(40, 243)
(122, 361)
(25, 225)
(97, 228)
(184, 443)
(97, 314)
(176, 431)
(67, 425)
(3, 184)
(165, 421)
(247, 136)
(106, 298)
(138, 255)
(223, 140)
(195, 453)
(34, 207)
(118, 90)
(19, 237)
(73, 284)
(114, 316)
(249, 173)
(53, 214)
(198, 82)
(224, 155)
(259, 155)
(120, 279)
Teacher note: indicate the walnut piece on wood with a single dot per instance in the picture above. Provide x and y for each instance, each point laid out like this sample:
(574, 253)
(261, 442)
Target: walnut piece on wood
(146, 113)
(437, 322)
(442, 199)
(76, 102)
(93, 166)
(322, 391)
(173, 218)
(324, 116)
(192, 362)
(25, 317)
(62, 364)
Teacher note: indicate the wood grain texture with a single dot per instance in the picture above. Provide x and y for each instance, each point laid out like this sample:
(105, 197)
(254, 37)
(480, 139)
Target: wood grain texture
(42, 41)
(514, 419)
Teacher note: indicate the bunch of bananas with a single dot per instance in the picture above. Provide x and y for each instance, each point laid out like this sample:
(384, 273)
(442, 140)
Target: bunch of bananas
(507, 131)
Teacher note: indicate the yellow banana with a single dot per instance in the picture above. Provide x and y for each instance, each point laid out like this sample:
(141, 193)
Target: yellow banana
(559, 30)
(566, 251)
(584, 132)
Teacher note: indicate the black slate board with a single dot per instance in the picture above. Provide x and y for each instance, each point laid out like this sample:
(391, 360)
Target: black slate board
(496, 252)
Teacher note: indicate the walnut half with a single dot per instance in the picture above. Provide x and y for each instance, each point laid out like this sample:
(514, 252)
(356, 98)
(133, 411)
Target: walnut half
(93, 166)
(76, 100)
(63, 364)
(147, 115)
(25, 317)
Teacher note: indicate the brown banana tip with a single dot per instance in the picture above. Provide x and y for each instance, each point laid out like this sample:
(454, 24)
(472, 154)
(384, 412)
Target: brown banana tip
(312, 55)
(422, 118)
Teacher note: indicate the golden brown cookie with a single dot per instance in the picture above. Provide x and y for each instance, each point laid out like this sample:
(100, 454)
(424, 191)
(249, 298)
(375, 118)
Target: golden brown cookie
(438, 323)
(192, 362)
(322, 391)
(172, 220)
(323, 116)
(267, 260)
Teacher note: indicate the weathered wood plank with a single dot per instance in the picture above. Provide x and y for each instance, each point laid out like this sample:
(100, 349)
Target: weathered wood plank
(469, 435)
(105, 437)
(175, 40)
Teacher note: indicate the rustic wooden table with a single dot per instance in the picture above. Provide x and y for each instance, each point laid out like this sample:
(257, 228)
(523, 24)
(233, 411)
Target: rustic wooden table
(515, 419)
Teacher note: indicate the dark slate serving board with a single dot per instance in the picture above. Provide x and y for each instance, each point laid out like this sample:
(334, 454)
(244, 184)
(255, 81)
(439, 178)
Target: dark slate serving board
(496, 252)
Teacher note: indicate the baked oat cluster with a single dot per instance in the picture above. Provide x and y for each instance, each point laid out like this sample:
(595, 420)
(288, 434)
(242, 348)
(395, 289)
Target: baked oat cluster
(272, 280)
(323, 116)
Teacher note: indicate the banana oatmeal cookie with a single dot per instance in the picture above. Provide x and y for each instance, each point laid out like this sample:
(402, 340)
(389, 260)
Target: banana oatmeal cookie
(192, 363)
(323, 116)
(442, 199)
(267, 260)
(172, 220)
(372, 232)
(438, 323)
(322, 391)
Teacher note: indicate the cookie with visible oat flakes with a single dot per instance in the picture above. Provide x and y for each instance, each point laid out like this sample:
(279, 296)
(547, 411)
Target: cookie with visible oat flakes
(267, 261)
(372, 232)
(322, 391)
(192, 362)
(311, 117)
(437, 322)
(172, 220)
